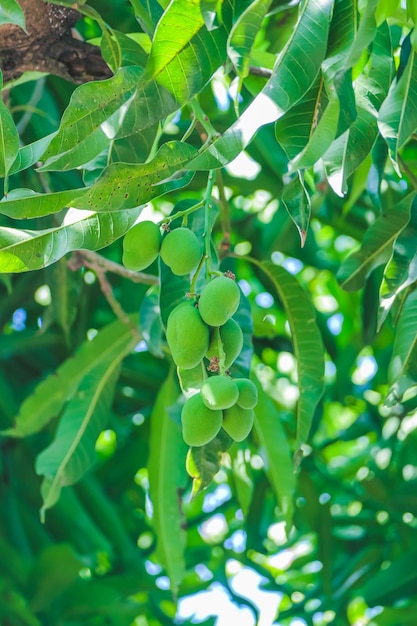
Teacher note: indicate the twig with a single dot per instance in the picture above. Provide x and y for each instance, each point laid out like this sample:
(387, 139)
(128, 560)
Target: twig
(260, 71)
(96, 261)
(224, 216)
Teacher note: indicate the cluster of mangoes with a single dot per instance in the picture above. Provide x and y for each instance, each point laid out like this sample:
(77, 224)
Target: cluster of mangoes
(180, 249)
(205, 329)
(197, 330)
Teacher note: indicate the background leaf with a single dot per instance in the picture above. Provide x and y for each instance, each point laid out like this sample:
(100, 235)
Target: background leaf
(307, 343)
(166, 480)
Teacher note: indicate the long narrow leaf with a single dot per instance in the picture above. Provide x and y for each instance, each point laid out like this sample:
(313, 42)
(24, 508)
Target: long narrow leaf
(167, 479)
(243, 33)
(376, 246)
(398, 114)
(307, 342)
(294, 73)
(72, 453)
(51, 394)
(121, 186)
(402, 371)
(279, 463)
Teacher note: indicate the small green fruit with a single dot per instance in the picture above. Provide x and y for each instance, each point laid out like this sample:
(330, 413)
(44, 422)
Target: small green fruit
(248, 393)
(181, 251)
(187, 336)
(199, 424)
(219, 300)
(238, 422)
(219, 392)
(232, 339)
(141, 245)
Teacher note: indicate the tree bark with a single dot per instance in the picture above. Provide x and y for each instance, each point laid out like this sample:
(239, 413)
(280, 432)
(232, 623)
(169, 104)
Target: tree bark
(48, 46)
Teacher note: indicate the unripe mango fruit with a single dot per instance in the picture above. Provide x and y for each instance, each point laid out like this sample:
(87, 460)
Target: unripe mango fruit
(219, 300)
(238, 422)
(141, 245)
(181, 251)
(199, 424)
(219, 392)
(248, 393)
(232, 340)
(187, 336)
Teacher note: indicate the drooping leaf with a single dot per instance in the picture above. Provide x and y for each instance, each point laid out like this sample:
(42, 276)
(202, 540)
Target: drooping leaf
(294, 73)
(351, 148)
(133, 99)
(9, 137)
(401, 270)
(203, 463)
(296, 200)
(150, 322)
(398, 575)
(24, 250)
(307, 343)
(12, 13)
(51, 394)
(72, 452)
(167, 479)
(279, 463)
(397, 118)
(121, 186)
(65, 287)
(402, 371)
(243, 34)
(376, 246)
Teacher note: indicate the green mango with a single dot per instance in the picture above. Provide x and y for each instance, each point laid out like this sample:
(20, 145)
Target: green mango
(181, 251)
(199, 424)
(248, 393)
(219, 300)
(141, 245)
(187, 336)
(232, 339)
(219, 392)
(238, 422)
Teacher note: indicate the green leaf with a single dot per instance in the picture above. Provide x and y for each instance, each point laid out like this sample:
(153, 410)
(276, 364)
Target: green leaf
(30, 154)
(402, 371)
(351, 148)
(12, 13)
(182, 17)
(167, 479)
(121, 186)
(9, 138)
(297, 202)
(400, 572)
(307, 343)
(204, 462)
(243, 33)
(52, 393)
(23, 250)
(211, 12)
(376, 246)
(275, 446)
(294, 73)
(132, 99)
(397, 118)
(72, 452)
(401, 270)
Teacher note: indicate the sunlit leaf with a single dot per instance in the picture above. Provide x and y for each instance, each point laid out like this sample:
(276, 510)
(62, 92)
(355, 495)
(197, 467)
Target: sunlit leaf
(243, 34)
(9, 137)
(167, 479)
(398, 115)
(23, 250)
(121, 186)
(12, 13)
(304, 51)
